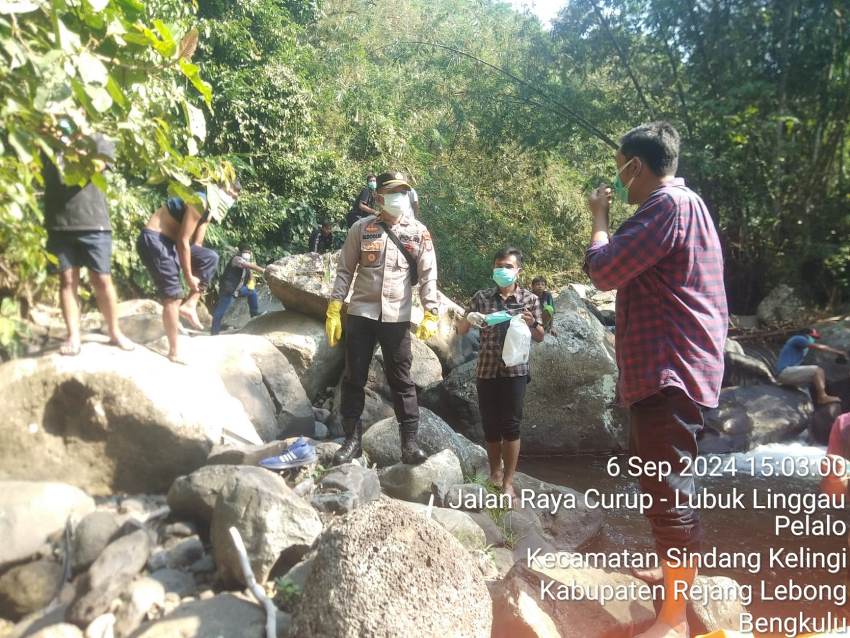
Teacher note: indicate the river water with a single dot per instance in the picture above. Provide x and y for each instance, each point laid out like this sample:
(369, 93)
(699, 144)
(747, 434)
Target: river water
(729, 530)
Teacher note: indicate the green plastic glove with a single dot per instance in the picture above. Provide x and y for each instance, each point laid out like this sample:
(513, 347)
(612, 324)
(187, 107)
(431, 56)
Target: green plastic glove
(428, 327)
(333, 323)
(549, 309)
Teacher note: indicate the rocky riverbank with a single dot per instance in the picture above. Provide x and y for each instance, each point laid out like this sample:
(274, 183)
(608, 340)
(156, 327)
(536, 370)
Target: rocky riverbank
(123, 474)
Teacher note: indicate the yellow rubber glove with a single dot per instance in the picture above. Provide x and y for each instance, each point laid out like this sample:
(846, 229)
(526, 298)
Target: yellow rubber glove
(333, 323)
(428, 327)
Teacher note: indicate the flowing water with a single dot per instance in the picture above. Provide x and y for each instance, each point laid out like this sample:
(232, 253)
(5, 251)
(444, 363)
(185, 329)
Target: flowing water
(729, 530)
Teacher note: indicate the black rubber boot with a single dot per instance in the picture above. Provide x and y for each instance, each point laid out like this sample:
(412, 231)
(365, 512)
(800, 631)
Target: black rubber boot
(351, 447)
(411, 453)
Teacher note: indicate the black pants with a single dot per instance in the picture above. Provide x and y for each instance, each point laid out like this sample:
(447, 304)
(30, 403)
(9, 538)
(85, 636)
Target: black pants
(664, 428)
(361, 335)
(500, 404)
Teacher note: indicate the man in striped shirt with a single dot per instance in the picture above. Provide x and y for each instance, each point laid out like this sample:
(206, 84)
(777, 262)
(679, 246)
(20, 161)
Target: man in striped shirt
(666, 263)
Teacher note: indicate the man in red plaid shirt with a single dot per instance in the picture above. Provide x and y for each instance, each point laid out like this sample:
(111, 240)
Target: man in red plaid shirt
(666, 263)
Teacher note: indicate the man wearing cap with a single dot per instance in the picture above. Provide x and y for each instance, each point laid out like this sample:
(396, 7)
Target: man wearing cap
(390, 252)
(790, 372)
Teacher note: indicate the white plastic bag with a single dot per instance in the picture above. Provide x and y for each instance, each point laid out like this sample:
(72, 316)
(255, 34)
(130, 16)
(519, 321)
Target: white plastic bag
(517, 342)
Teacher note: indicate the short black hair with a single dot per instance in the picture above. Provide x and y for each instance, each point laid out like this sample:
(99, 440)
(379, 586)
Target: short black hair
(507, 251)
(538, 280)
(325, 222)
(245, 248)
(370, 176)
(656, 143)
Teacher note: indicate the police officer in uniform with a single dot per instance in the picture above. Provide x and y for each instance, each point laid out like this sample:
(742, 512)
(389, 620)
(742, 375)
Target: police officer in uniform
(391, 253)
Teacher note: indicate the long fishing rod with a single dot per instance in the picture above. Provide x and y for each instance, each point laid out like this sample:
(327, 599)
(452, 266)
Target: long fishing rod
(558, 107)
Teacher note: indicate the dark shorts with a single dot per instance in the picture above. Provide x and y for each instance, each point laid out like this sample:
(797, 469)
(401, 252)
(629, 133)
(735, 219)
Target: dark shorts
(500, 402)
(664, 427)
(159, 255)
(90, 249)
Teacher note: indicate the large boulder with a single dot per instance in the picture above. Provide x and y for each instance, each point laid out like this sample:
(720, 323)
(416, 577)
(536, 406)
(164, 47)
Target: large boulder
(744, 369)
(239, 314)
(393, 572)
(304, 283)
(31, 512)
(781, 307)
(418, 483)
(261, 378)
(345, 487)
(752, 415)
(29, 587)
(92, 536)
(274, 522)
(382, 443)
(222, 615)
(720, 612)
(301, 339)
(837, 335)
(570, 403)
(194, 496)
(112, 421)
(525, 604)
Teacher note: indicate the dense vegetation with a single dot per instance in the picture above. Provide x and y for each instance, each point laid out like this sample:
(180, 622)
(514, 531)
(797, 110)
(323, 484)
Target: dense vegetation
(504, 125)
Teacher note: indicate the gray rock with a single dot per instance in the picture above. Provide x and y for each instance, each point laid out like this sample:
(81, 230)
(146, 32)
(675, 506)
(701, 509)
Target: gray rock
(459, 524)
(718, 614)
(275, 524)
(398, 570)
(321, 414)
(568, 528)
(382, 444)
(109, 576)
(301, 339)
(320, 430)
(468, 496)
(203, 566)
(504, 560)
(177, 553)
(820, 425)
(62, 630)
(33, 511)
(570, 405)
(493, 534)
(345, 487)
(194, 496)
(753, 415)
(781, 307)
(176, 581)
(143, 595)
(519, 610)
(111, 421)
(91, 536)
(29, 587)
(419, 482)
(325, 451)
(221, 615)
(261, 378)
(180, 529)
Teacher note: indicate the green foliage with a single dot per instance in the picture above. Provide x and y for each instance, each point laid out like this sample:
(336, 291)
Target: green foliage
(287, 594)
(503, 126)
(72, 69)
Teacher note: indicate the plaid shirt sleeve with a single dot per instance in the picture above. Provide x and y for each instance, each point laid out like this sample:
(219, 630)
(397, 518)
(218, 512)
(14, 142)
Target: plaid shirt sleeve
(641, 242)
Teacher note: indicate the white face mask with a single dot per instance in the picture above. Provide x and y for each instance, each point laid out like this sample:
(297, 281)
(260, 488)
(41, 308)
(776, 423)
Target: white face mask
(246, 256)
(396, 204)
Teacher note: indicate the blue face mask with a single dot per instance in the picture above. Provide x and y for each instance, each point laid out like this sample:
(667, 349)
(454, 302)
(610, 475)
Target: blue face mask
(504, 277)
(373, 185)
(500, 316)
